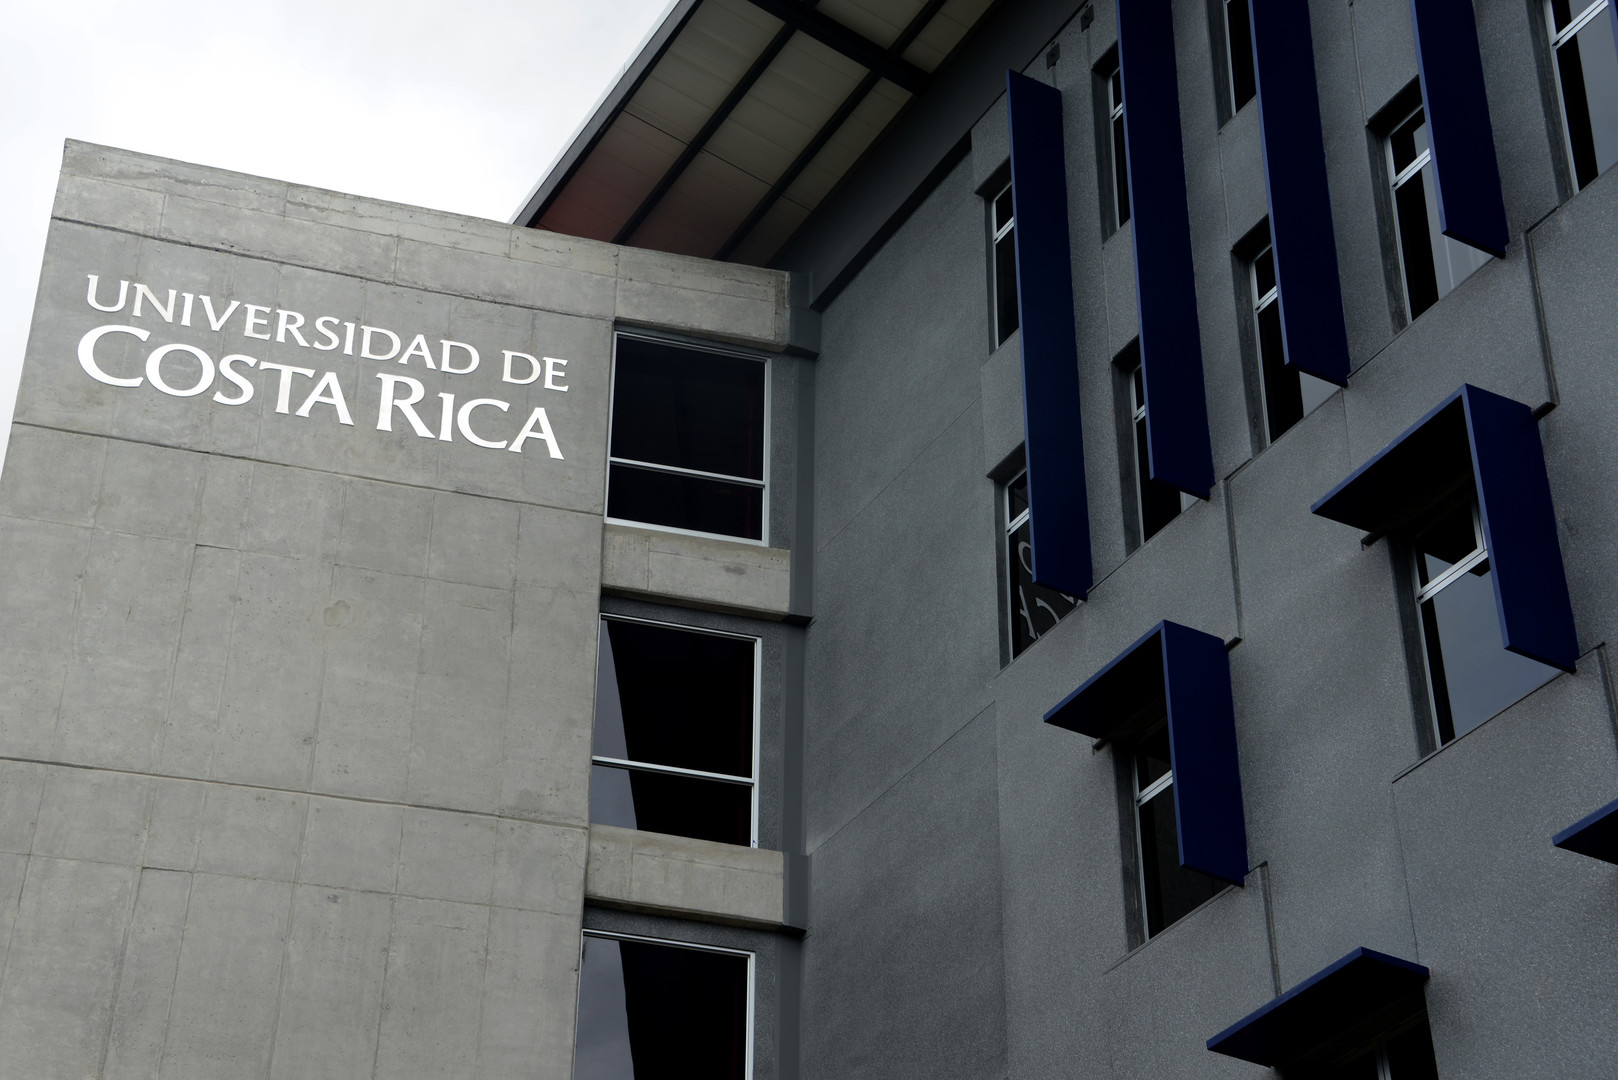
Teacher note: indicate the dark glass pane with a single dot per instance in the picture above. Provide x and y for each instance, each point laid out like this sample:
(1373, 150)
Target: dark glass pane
(1016, 497)
(674, 697)
(1453, 261)
(1408, 141)
(1159, 503)
(690, 409)
(1314, 391)
(1361, 1067)
(1034, 608)
(685, 502)
(1264, 273)
(1240, 35)
(1120, 170)
(1172, 891)
(1137, 382)
(1410, 1055)
(659, 1012)
(1474, 676)
(1005, 285)
(1002, 209)
(1283, 396)
(1448, 540)
(1152, 759)
(1588, 66)
(671, 804)
(1416, 244)
(1117, 84)
(1562, 11)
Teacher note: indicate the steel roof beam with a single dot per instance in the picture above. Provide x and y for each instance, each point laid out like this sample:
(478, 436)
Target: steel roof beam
(863, 51)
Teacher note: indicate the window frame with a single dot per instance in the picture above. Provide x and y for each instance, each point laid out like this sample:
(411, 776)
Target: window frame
(999, 231)
(629, 765)
(615, 935)
(1554, 40)
(1129, 365)
(1259, 301)
(1231, 91)
(1142, 728)
(1111, 148)
(763, 484)
(1010, 523)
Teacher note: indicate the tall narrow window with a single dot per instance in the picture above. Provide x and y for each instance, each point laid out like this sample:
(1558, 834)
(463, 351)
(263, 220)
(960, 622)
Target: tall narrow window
(1034, 609)
(675, 745)
(1158, 504)
(1470, 674)
(688, 441)
(1289, 394)
(1239, 49)
(653, 1009)
(1169, 891)
(1111, 152)
(1003, 226)
(1433, 264)
(1587, 77)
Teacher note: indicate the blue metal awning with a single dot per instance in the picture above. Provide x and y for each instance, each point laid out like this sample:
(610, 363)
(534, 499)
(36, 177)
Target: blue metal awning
(1319, 1008)
(1595, 835)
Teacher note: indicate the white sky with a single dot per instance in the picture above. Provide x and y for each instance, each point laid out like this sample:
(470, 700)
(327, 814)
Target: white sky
(458, 105)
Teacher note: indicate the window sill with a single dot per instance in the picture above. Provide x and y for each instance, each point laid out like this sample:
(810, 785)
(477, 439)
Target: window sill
(695, 571)
(676, 875)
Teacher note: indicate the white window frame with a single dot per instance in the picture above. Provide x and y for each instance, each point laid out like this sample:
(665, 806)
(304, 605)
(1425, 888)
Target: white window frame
(1398, 178)
(1137, 415)
(1115, 138)
(630, 765)
(752, 977)
(1461, 567)
(998, 231)
(745, 481)
(1230, 60)
(1261, 304)
(1142, 797)
(1557, 40)
(1012, 524)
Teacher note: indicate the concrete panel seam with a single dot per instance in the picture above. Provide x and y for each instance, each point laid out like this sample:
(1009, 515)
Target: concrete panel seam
(1269, 924)
(1540, 320)
(1607, 688)
(1235, 558)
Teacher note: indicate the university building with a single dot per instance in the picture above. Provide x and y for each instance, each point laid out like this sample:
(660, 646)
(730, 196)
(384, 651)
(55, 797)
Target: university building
(947, 538)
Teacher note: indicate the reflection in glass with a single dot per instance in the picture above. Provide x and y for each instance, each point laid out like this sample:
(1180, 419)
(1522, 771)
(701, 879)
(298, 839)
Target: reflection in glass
(1169, 891)
(1471, 673)
(650, 1011)
(1587, 75)
(1035, 609)
(1433, 263)
(673, 742)
(1289, 394)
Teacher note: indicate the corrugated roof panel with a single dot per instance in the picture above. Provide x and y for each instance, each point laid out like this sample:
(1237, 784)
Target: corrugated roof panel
(877, 20)
(703, 207)
(716, 47)
(786, 107)
(856, 135)
(774, 229)
(945, 31)
(611, 182)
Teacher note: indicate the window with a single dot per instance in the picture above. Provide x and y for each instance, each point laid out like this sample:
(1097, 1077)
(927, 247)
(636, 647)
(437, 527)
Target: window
(1114, 160)
(651, 1008)
(1587, 79)
(688, 444)
(1003, 228)
(1289, 394)
(1239, 53)
(676, 741)
(1035, 609)
(1157, 504)
(1432, 264)
(1407, 1055)
(1470, 674)
(1168, 891)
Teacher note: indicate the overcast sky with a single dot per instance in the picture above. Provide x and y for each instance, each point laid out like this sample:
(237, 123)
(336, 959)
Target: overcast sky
(458, 106)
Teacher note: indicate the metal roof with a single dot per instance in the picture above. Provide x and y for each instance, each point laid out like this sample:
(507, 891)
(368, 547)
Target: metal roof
(739, 117)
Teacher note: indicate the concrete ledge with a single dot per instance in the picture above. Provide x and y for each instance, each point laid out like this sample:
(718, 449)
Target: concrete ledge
(676, 875)
(694, 571)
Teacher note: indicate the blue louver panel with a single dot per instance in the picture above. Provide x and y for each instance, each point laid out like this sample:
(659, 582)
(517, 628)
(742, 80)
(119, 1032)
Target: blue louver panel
(1496, 440)
(1190, 670)
(1470, 206)
(1519, 528)
(1058, 507)
(1202, 744)
(1313, 333)
(1178, 447)
(1595, 834)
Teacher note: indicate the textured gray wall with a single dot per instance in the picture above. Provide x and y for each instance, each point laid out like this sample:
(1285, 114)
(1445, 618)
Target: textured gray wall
(1008, 949)
(295, 715)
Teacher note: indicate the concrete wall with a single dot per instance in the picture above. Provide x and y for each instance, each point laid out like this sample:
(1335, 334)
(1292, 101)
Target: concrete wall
(971, 899)
(295, 713)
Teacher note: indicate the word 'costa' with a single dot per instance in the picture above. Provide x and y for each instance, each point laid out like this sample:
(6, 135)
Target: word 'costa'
(330, 333)
(181, 370)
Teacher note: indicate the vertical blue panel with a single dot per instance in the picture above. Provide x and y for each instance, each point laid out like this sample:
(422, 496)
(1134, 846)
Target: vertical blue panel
(1519, 529)
(1313, 332)
(1058, 508)
(1179, 451)
(1470, 206)
(1202, 745)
